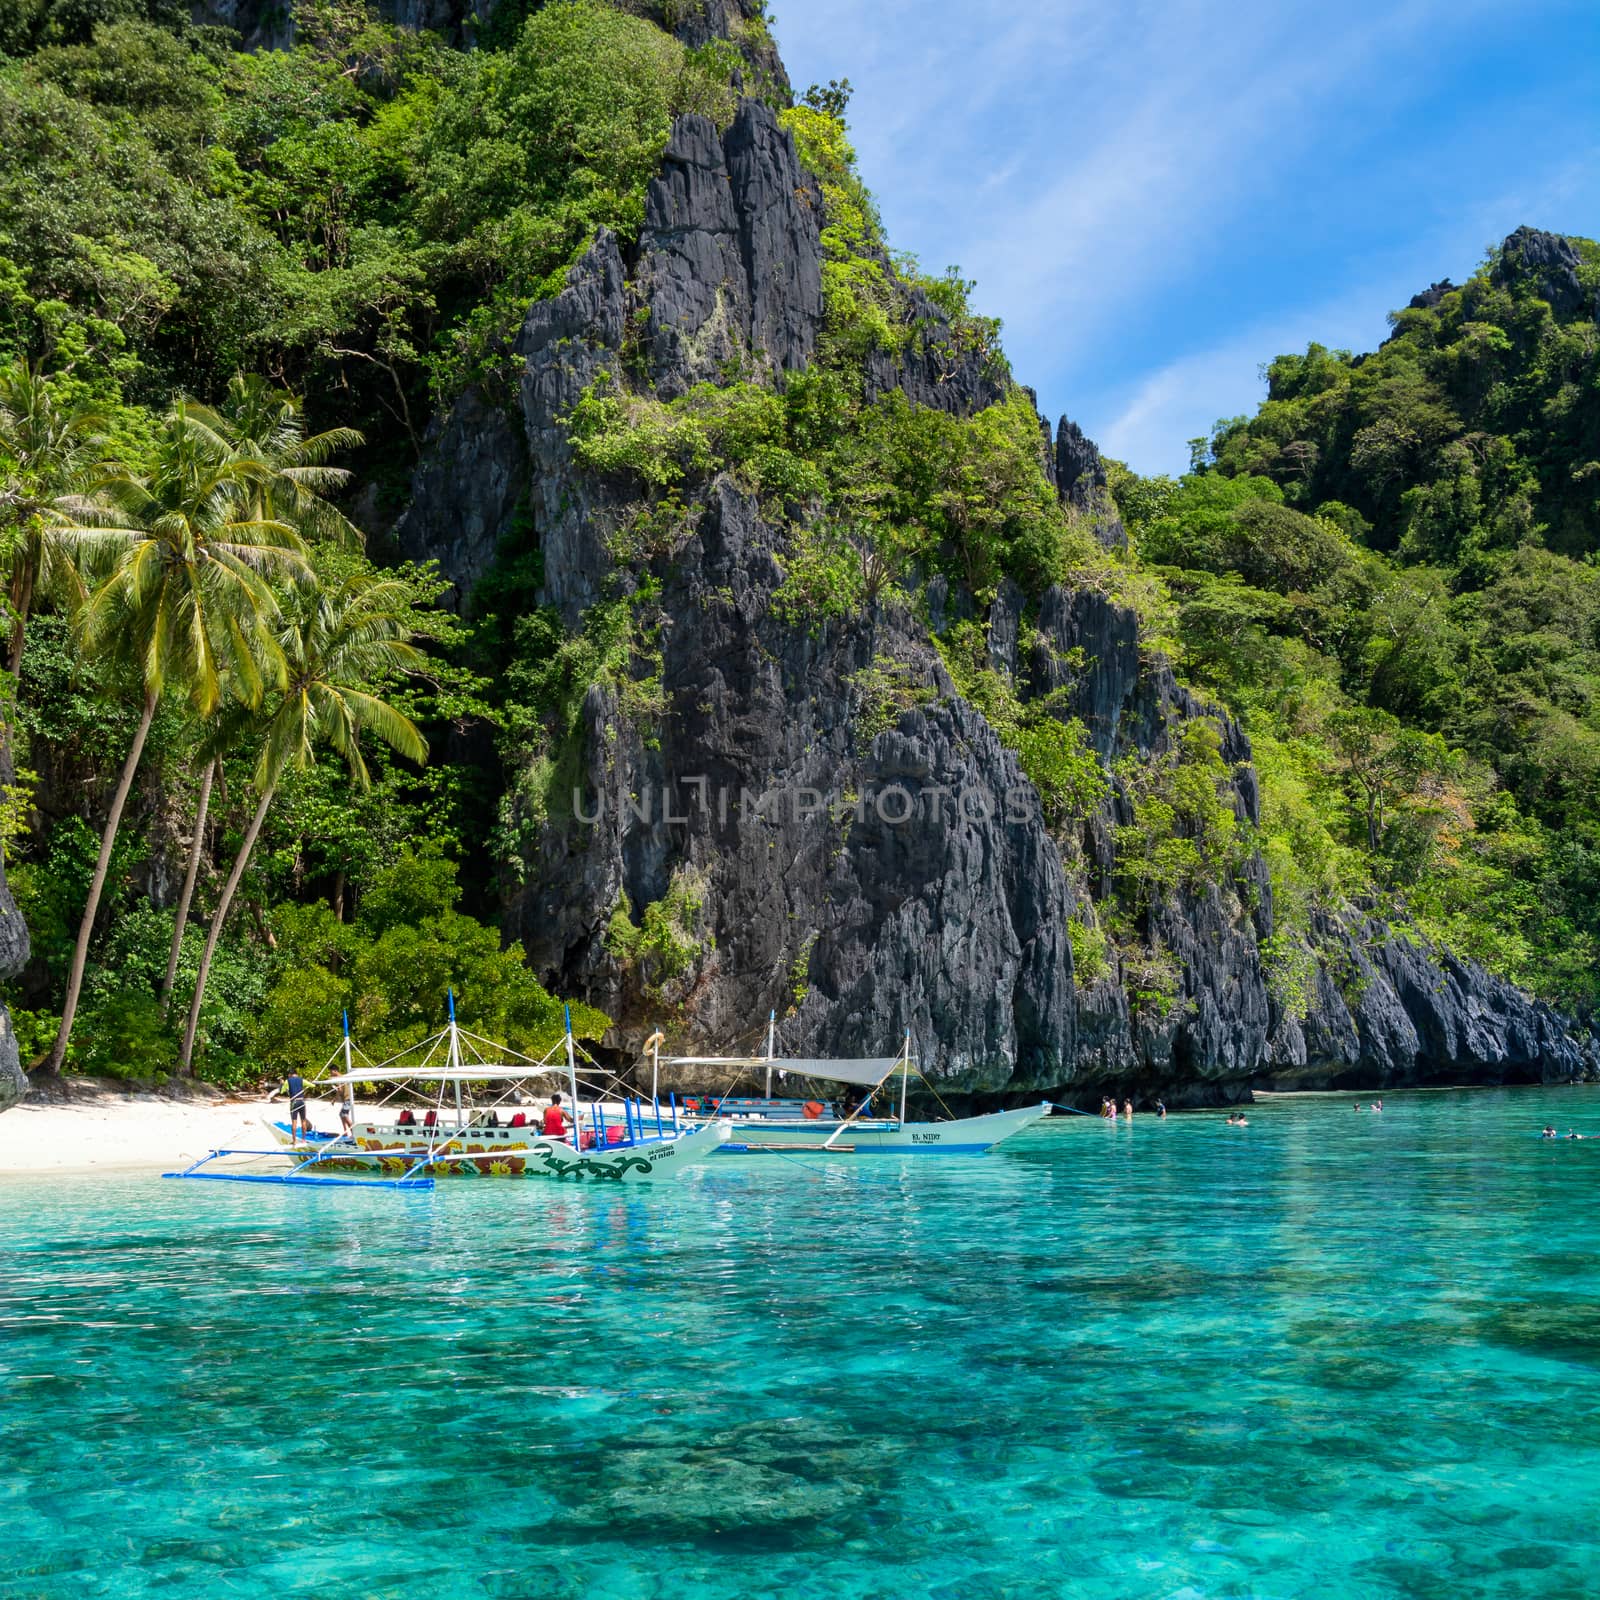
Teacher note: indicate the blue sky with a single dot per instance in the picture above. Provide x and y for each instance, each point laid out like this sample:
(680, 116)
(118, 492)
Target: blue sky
(1157, 196)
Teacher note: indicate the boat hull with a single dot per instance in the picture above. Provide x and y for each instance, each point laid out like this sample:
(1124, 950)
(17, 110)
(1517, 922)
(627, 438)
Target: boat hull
(962, 1136)
(504, 1153)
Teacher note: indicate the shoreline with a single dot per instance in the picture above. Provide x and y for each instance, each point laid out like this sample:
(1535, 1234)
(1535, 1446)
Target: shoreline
(93, 1128)
(97, 1126)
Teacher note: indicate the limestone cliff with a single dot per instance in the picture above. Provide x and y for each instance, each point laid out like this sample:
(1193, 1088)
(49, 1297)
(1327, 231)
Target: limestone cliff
(846, 840)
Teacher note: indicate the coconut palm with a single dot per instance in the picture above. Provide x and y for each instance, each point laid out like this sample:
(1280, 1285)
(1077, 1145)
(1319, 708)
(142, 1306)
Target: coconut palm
(185, 604)
(264, 425)
(340, 645)
(51, 457)
(290, 479)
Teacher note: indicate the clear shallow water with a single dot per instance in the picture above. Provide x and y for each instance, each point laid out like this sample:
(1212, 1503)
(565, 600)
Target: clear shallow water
(1326, 1356)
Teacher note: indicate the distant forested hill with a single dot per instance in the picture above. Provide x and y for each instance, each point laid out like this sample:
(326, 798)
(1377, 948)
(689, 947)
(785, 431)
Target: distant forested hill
(1392, 571)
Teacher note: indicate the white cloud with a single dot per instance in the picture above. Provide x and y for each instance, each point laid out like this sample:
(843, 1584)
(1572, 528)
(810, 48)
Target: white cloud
(1147, 193)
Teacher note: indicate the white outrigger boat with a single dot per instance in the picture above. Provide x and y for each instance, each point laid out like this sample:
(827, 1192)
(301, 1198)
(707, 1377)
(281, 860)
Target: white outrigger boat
(768, 1126)
(452, 1111)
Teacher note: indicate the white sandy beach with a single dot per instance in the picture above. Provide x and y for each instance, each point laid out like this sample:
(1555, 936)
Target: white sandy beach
(106, 1131)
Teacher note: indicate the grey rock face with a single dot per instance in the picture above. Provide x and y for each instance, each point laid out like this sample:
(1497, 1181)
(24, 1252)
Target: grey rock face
(466, 491)
(847, 840)
(730, 260)
(1081, 482)
(744, 23)
(567, 344)
(933, 368)
(1552, 263)
(1431, 296)
(1387, 1009)
(890, 910)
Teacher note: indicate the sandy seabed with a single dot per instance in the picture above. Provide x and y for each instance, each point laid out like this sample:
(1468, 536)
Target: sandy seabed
(99, 1132)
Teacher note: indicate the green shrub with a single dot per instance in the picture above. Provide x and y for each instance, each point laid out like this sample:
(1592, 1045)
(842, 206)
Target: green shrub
(1090, 952)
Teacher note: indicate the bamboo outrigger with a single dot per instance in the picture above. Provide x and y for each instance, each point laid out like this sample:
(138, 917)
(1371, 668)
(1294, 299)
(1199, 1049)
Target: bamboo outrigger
(462, 1094)
(769, 1126)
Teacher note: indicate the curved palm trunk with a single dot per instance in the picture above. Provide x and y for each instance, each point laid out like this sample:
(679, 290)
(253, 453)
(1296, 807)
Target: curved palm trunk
(240, 862)
(80, 953)
(186, 899)
(21, 605)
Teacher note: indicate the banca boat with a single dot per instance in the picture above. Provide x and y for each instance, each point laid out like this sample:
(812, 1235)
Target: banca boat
(780, 1126)
(447, 1109)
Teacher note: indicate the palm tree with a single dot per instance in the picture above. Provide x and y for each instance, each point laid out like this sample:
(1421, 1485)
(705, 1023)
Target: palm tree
(190, 873)
(186, 604)
(290, 479)
(52, 455)
(264, 425)
(340, 644)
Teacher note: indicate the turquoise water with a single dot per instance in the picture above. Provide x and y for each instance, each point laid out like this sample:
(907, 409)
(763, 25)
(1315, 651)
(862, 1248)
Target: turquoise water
(1327, 1355)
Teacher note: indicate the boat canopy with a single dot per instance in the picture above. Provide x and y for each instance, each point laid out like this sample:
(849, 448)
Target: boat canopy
(867, 1072)
(483, 1072)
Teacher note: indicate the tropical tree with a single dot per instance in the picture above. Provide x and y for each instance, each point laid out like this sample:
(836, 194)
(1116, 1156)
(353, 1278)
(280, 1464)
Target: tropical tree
(289, 480)
(51, 455)
(340, 644)
(185, 605)
(294, 477)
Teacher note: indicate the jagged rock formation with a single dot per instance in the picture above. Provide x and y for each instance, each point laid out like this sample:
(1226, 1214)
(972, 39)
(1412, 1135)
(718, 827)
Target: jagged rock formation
(1431, 296)
(1551, 262)
(856, 847)
(472, 481)
(1390, 1010)
(730, 262)
(1080, 477)
(270, 25)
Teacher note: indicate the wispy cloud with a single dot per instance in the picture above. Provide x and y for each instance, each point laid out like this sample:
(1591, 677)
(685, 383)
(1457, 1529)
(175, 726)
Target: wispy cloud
(1155, 196)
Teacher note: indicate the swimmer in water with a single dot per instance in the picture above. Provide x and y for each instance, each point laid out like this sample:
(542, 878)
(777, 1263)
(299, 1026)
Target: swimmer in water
(1161, 1110)
(1377, 1105)
(1549, 1133)
(1127, 1109)
(1572, 1133)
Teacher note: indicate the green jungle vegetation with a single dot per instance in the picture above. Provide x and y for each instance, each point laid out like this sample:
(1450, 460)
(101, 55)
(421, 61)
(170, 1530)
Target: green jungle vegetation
(1391, 574)
(256, 768)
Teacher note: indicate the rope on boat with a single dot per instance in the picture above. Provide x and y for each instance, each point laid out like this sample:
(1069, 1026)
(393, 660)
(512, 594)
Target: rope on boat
(1055, 1105)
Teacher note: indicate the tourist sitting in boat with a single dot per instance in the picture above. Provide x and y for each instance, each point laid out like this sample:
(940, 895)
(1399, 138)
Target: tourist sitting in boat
(556, 1121)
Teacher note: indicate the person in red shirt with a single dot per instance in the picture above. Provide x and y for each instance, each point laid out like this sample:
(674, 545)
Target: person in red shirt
(556, 1120)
